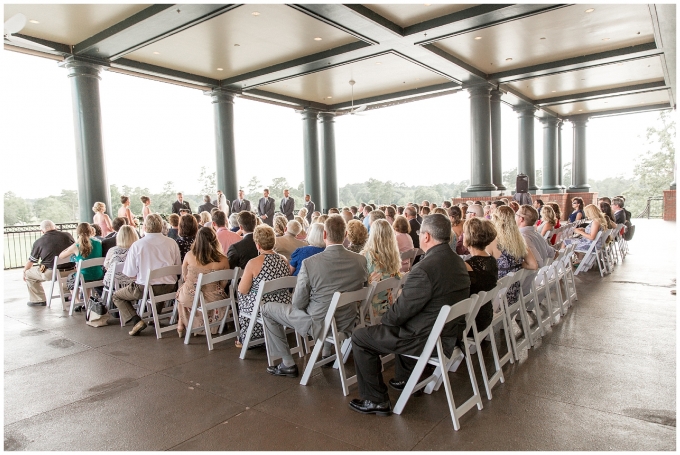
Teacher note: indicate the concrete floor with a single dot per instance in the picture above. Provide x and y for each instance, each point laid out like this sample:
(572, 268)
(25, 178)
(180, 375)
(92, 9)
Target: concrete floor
(604, 378)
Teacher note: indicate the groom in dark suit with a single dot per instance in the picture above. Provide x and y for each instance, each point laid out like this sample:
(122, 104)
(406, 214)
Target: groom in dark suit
(439, 279)
(265, 208)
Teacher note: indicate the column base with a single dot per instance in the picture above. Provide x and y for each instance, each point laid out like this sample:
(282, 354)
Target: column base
(579, 189)
(500, 187)
(552, 190)
(479, 193)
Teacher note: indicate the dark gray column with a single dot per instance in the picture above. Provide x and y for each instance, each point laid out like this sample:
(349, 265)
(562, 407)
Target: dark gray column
(311, 154)
(560, 183)
(496, 164)
(329, 187)
(480, 142)
(225, 152)
(550, 184)
(579, 172)
(87, 122)
(525, 162)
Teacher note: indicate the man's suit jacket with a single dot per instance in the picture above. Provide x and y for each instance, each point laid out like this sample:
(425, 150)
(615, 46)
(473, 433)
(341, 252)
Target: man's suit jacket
(415, 227)
(620, 217)
(439, 279)
(207, 207)
(237, 207)
(266, 207)
(176, 206)
(287, 243)
(310, 209)
(241, 252)
(287, 208)
(108, 242)
(333, 270)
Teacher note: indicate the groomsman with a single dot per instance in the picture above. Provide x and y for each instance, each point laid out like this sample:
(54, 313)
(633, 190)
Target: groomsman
(240, 204)
(287, 205)
(265, 208)
(309, 205)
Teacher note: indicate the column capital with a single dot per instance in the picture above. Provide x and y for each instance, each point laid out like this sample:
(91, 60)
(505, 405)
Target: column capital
(326, 117)
(524, 111)
(78, 66)
(581, 120)
(496, 95)
(479, 90)
(309, 112)
(220, 95)
(549, 121)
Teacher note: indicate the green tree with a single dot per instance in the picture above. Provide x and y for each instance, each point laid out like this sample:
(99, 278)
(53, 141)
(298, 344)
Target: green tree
(209, 182)
(52, 208)
(17, 210)
(566, 174)
(70, 199)
(510, 180)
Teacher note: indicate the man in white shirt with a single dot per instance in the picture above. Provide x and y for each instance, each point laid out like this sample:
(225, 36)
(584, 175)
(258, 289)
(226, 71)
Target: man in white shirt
(153, 251)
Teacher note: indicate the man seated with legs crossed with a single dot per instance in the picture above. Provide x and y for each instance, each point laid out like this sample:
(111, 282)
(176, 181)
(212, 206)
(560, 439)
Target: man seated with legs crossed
(334, 270)
(151, 252)
(440, 278)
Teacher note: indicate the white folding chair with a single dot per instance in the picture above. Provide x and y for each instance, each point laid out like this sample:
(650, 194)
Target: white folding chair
(80, 283)
(117, 267)
(340, 300)
(541, 294)
(61, 282)
(530, 303)
(255, 316)
(410, 255)
(204, 307)
(388, 284)
(515, 309)
(568, 275)
(149, 299)
(443, 364)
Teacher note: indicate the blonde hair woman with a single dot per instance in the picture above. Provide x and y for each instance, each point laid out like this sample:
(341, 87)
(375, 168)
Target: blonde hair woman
(383, 261)
(101, 218)
(124, 239)
(509, 248)
(548, 220)
(303, 213)
(303, 223)
(205, 219)
(280, 223)
(598, 223)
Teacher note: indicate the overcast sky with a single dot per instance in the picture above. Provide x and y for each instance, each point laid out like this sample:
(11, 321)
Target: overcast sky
(154, 132)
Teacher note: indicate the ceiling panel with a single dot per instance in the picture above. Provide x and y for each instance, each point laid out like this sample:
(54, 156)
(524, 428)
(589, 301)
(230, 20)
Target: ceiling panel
(406, 15)
(559, 34)
(374, 76)
(70, 24)
(240, 42)
(611, 103)
(616, 75)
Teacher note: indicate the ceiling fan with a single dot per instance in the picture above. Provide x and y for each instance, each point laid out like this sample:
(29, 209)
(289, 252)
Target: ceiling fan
(353, 111)
(14, 25)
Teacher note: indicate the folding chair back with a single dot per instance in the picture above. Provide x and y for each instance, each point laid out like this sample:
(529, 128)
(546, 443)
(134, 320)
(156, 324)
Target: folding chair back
(513, 309)
(443, 364)
(590, 257)
(340, 300)
(410, 255)
(150, 299)
(204, 307)
(61, 282)
(117, 267)
(80, 283)
(388, 284)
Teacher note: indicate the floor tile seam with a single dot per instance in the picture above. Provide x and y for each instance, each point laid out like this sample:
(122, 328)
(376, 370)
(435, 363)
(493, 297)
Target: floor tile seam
(447, 416)
(609, 353)
(50, 360)
(668, 427)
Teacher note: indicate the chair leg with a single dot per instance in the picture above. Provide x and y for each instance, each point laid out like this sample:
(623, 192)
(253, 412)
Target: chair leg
(312, 360)
(208, 332)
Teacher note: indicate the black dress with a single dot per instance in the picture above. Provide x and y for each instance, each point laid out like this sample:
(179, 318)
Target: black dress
(483, 278)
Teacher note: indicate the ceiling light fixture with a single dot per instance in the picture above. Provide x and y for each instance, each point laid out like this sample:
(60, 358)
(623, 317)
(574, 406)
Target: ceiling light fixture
(508, 59)
(605, 39)
(554, 91)
(478, 37)
(580, 110)
(317, 38)
(220, 69)
(156, 52)
(427, 4)
(378, 63)
(33, 21)
(255, 13)
(590, 10)
(329, 97)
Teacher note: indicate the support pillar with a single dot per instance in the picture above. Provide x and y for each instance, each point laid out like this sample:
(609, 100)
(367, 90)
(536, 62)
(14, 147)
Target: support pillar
(87, 122)
(311, 154)
(480, 144)
(496, 164)
(550, 169)
(560, 183)
(329, 187)
(579, 172)
(225, 151)
(525, 162)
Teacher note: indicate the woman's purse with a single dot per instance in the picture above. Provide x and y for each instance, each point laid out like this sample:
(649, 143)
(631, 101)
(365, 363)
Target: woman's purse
(96, 315)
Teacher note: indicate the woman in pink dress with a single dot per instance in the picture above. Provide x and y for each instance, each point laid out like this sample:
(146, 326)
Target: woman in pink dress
(125, 212)
(146, 211)
(404, 240)
(101, 218)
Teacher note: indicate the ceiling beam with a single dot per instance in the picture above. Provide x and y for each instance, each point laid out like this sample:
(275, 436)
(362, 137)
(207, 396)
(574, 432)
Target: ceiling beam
(257, 93)
(146, 27)
(607, 93)
(629, 110)
(663, 21)
(59, 48)
(154, 70)
(448, 86)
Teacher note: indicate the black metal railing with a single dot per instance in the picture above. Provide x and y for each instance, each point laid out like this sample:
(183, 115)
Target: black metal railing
(19, 241)
(652, 209)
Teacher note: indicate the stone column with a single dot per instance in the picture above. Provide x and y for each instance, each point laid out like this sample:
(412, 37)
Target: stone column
(525, 162)
(87, 122)
(311, 154)
(579, 172)
(496, 164)
(550, 169)
(225, 151)
(329, 187)
(480, 143)
(560, 183)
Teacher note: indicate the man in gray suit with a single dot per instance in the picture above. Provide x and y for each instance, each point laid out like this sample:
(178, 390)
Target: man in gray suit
(309, 205)
(240, 204)
(287, 205)
(265, 208)
(333, 270)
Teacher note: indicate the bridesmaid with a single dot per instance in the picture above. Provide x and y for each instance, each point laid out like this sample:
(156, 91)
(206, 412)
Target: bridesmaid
(125, 212)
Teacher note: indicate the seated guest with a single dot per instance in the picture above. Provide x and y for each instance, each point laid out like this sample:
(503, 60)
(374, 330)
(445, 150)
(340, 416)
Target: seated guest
(404, 241)
(333, 211)
(618, 211)
(473, 210)
(188, 227)
(125, 211)
(587, 235)
(439, 279)
(50, 244)
(314, 217)
(439, 210)
(244, 250)
(110, 240)
(86, 247)
(322, 275)
(173, 232)
(316, 245)
(606, 210)
(410, 214)
(357, 236)
(382, 261)
(548, 221)
(578, 214)
(604, 199)
(268, 266)
(101, 218)
(424, 211)
(514, 205)
(288, 242)
(207, 205)
(97, 232)
(224, 235)
(538, 205)
(390, 213)
(526, 217)
(456, 218)
(303, 214)
(233, 222)
(367, 210)
(205, 257)
(304, 225)
(206, 219)
(347, 215)
(623, 200)
(151, 252)
(124, 240)
(280, 223)
(376, 214)
(197, 217)
(321, 219)
(355, 212)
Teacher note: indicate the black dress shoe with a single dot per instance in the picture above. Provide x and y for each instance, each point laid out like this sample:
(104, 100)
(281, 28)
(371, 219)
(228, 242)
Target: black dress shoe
(399, 385)
(36, 303)
(368, 407)
(282, 370)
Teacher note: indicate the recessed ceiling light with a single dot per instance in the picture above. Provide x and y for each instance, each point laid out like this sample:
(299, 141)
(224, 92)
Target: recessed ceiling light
(329, 97)
(508, 59)
(605, 39)
(318, 38)
(236, 45)
(33, 21)
(255, 13)
(590, 10)
(478, 37)
(156, 52)
(554, 91)
(580, 110)
(427, 4)
(378, 63)
(220, 69)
